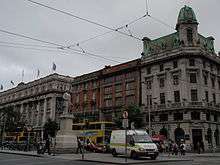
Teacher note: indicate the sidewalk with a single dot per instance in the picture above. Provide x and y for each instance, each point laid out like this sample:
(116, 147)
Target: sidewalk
(29, 153)
(108, 158)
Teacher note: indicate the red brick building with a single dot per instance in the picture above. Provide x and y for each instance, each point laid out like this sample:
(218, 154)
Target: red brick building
(100, 95)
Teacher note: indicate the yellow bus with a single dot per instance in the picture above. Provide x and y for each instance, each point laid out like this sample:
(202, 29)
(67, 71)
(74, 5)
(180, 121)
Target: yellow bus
(19, 136)
(97, 132)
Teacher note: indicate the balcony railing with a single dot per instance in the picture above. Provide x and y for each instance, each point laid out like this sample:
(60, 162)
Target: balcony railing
(195, 104)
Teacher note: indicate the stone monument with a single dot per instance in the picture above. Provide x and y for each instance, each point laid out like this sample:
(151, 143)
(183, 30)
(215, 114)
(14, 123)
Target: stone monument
(66, 139)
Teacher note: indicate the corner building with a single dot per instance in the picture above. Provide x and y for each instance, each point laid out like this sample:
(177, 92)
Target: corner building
(37, 101)
(181, 84)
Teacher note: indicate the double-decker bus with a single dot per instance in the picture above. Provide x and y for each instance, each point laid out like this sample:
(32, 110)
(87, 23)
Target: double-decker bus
(97, 132)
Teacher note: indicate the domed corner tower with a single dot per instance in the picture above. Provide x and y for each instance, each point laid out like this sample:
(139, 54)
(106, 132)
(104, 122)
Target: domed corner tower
(187, 26)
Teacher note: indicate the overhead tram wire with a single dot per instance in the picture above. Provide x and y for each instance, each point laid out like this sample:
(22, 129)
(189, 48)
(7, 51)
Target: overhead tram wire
(59, 46)
(29, 45)
(108, 32)
(84, 19)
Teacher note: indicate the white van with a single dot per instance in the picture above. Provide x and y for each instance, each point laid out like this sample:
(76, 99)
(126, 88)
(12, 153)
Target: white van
(139, 143)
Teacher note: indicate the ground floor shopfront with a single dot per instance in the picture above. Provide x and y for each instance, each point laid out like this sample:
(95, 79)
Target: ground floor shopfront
(191, 132)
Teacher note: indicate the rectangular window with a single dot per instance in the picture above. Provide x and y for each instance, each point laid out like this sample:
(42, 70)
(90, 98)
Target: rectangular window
(163, 117)
(108, 102)
(214, 98)
(162, 98)
(190, 36)
(148, 84)
(204, 64)
(85, 96)
(118, 88)
(192, 77)
(119, 101)
(191, 62)
(218, 70)
(175, 80)
(219, 84)
(195, 115)
(162, 83)
(205, 79)
(207, 96)
(130, 85)
(161, 67)
(148, 70)
(194, 96)
(108, 89)
(213, 82)
(211, 67)
(177, 96)
(175, 64)
(178, 116)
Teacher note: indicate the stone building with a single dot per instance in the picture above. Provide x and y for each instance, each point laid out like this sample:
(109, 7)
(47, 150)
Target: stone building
(38, 100)
(181, 84)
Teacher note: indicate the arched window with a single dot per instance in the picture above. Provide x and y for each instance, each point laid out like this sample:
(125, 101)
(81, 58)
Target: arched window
(190, 36)
(179, 134)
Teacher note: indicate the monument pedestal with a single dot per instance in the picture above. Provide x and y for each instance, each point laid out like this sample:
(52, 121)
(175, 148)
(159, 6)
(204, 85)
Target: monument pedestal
(66, 139)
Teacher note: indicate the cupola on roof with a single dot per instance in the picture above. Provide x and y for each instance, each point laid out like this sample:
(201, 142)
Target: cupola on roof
(186, 15)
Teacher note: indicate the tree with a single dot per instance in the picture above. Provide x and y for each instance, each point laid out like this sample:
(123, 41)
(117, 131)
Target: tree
(50, 128)
(134, 116)
(12, 119)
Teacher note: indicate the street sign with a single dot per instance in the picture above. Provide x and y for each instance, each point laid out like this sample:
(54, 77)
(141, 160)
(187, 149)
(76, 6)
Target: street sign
(125, 123)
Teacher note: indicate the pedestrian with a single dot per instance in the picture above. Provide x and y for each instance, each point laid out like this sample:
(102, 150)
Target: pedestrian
(79, 146)
(202, 146)
(47, 146)
(182, 148)
(198, 147)
(170, 147)
(175, 149)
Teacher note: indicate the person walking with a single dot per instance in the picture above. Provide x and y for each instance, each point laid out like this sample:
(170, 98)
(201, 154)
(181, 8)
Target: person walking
(47, 146)
(182, 148)
(198, 147)
(79, 146)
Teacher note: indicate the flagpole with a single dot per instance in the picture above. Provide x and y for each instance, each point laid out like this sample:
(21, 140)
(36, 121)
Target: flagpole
(22, 76)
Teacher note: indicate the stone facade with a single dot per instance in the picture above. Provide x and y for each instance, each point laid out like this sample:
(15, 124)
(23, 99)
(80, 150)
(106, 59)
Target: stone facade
(38, 100)
(181, 84)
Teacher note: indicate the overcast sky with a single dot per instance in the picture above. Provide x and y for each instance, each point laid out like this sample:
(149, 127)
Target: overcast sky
(23, 17)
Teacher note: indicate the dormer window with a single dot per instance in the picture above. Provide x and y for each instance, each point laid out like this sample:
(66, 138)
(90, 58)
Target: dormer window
(190, 36)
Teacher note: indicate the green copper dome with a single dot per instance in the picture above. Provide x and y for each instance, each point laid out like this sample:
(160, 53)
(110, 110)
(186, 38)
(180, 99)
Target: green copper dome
(186, 15)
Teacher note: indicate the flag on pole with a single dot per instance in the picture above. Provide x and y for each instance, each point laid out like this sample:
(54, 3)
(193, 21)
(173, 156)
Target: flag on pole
(38, 73)
(22, 76)
(1, 87)
(12, 82)
(54, 67)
